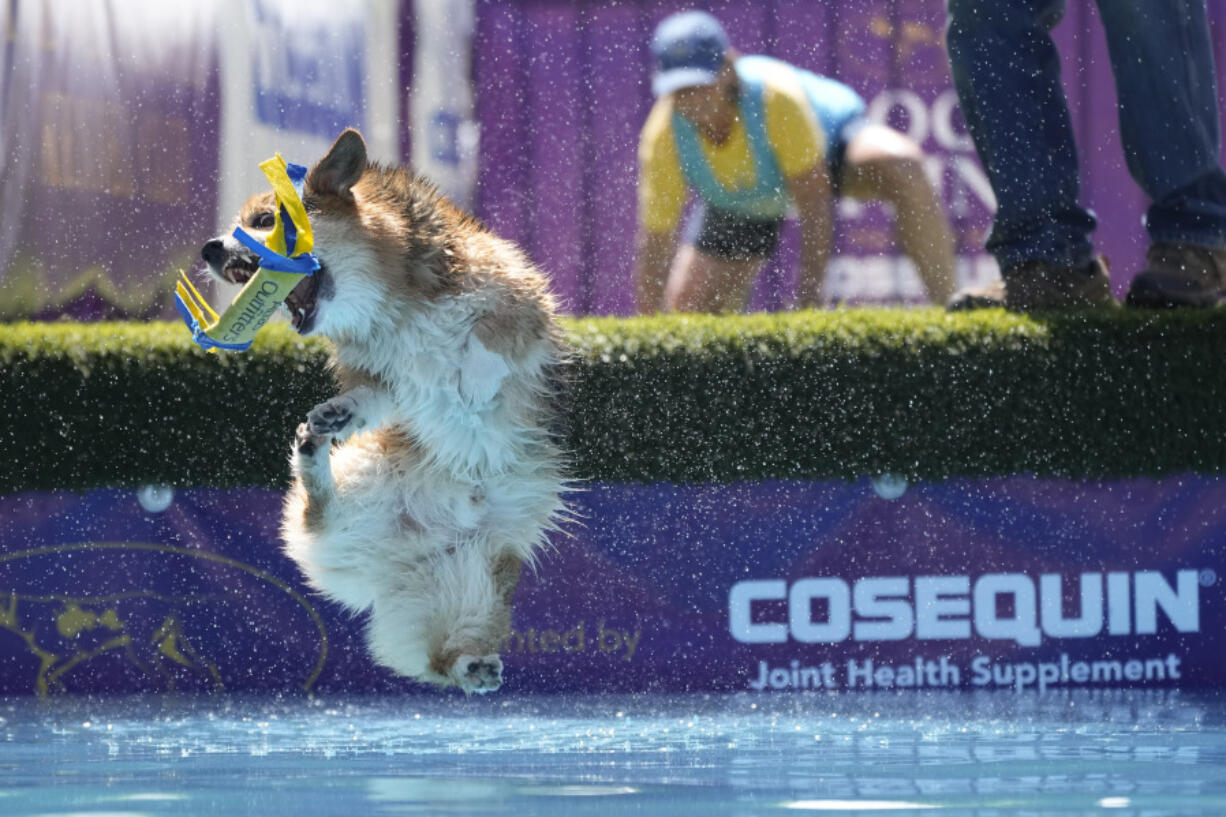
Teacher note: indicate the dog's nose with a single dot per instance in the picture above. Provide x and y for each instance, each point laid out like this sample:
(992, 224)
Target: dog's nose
(214, 253)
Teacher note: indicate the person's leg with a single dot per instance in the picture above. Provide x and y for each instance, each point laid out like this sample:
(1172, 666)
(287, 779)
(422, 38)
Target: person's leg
(881, 163)
(720, 256)
(699, 281)
(1162, 58)
(1007, 74)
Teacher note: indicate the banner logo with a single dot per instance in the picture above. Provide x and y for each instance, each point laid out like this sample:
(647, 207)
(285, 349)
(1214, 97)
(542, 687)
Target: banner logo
(1002, 606)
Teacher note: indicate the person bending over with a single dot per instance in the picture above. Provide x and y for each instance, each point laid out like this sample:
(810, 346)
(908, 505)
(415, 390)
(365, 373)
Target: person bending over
(755, 136)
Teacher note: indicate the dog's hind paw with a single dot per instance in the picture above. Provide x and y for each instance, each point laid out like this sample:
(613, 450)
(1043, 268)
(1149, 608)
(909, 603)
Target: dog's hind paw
(478, 675)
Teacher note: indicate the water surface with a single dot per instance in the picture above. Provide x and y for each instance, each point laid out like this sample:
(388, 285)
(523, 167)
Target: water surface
(1106, 753)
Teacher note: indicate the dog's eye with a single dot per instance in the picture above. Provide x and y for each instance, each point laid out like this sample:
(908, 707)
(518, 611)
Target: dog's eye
(263, 221)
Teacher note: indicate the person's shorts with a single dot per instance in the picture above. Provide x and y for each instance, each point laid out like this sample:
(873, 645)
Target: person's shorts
(730, 235)
(737, 237)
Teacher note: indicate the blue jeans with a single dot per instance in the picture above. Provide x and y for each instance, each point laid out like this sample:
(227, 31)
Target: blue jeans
(1007, 74)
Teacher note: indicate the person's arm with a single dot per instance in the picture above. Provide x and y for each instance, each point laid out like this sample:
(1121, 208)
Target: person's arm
(654, 255)
(661, 198)
(800, 148)
(814, 198)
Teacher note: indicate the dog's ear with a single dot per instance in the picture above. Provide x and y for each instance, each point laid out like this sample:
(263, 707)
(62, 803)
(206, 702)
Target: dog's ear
(340, 170)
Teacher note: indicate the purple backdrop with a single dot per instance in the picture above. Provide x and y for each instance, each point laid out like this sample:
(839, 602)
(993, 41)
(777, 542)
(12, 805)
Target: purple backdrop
(109, 180)
(562, 89)
(664, 587)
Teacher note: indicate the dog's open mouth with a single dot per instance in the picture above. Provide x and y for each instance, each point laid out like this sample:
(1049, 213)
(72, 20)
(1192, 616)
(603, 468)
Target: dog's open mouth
(240, 269)
(303, 300)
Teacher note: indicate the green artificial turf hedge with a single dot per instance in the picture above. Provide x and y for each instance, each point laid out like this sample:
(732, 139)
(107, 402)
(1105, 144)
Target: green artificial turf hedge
(841, 394)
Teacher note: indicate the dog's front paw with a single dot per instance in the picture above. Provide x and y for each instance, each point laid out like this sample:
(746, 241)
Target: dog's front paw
(306, 442)
(331, 417)
(357, 409)
(480, 675)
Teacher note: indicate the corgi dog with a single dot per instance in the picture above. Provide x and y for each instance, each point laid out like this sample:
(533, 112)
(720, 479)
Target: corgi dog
(424, 486)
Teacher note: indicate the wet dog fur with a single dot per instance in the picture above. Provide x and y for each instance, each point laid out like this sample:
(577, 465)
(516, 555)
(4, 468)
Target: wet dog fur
(422, 488)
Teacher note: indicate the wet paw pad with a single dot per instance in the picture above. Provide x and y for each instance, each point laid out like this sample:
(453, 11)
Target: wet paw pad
(479, 674)
(330, 417)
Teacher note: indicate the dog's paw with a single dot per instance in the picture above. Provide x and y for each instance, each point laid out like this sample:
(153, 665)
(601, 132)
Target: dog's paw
(480, 675)
(306, 442)
(331, 417)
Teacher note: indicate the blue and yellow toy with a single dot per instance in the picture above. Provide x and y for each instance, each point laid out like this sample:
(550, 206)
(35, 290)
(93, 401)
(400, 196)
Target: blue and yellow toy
(285, 257)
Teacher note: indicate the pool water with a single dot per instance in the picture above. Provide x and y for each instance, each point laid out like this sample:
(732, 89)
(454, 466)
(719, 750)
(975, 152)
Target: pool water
(1105, 753)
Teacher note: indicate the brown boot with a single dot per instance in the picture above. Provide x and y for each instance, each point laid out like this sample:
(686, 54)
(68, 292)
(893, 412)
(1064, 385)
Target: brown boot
(1037, 285)
(984, 297)
(1179, 275)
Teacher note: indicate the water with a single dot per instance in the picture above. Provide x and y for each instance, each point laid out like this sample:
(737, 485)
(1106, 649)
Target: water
(1104, 753)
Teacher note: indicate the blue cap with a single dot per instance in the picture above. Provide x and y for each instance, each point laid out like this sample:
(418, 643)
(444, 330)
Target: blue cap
(689, 49)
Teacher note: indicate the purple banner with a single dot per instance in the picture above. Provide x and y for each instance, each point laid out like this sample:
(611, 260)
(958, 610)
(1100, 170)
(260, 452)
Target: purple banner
(1011, 583)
